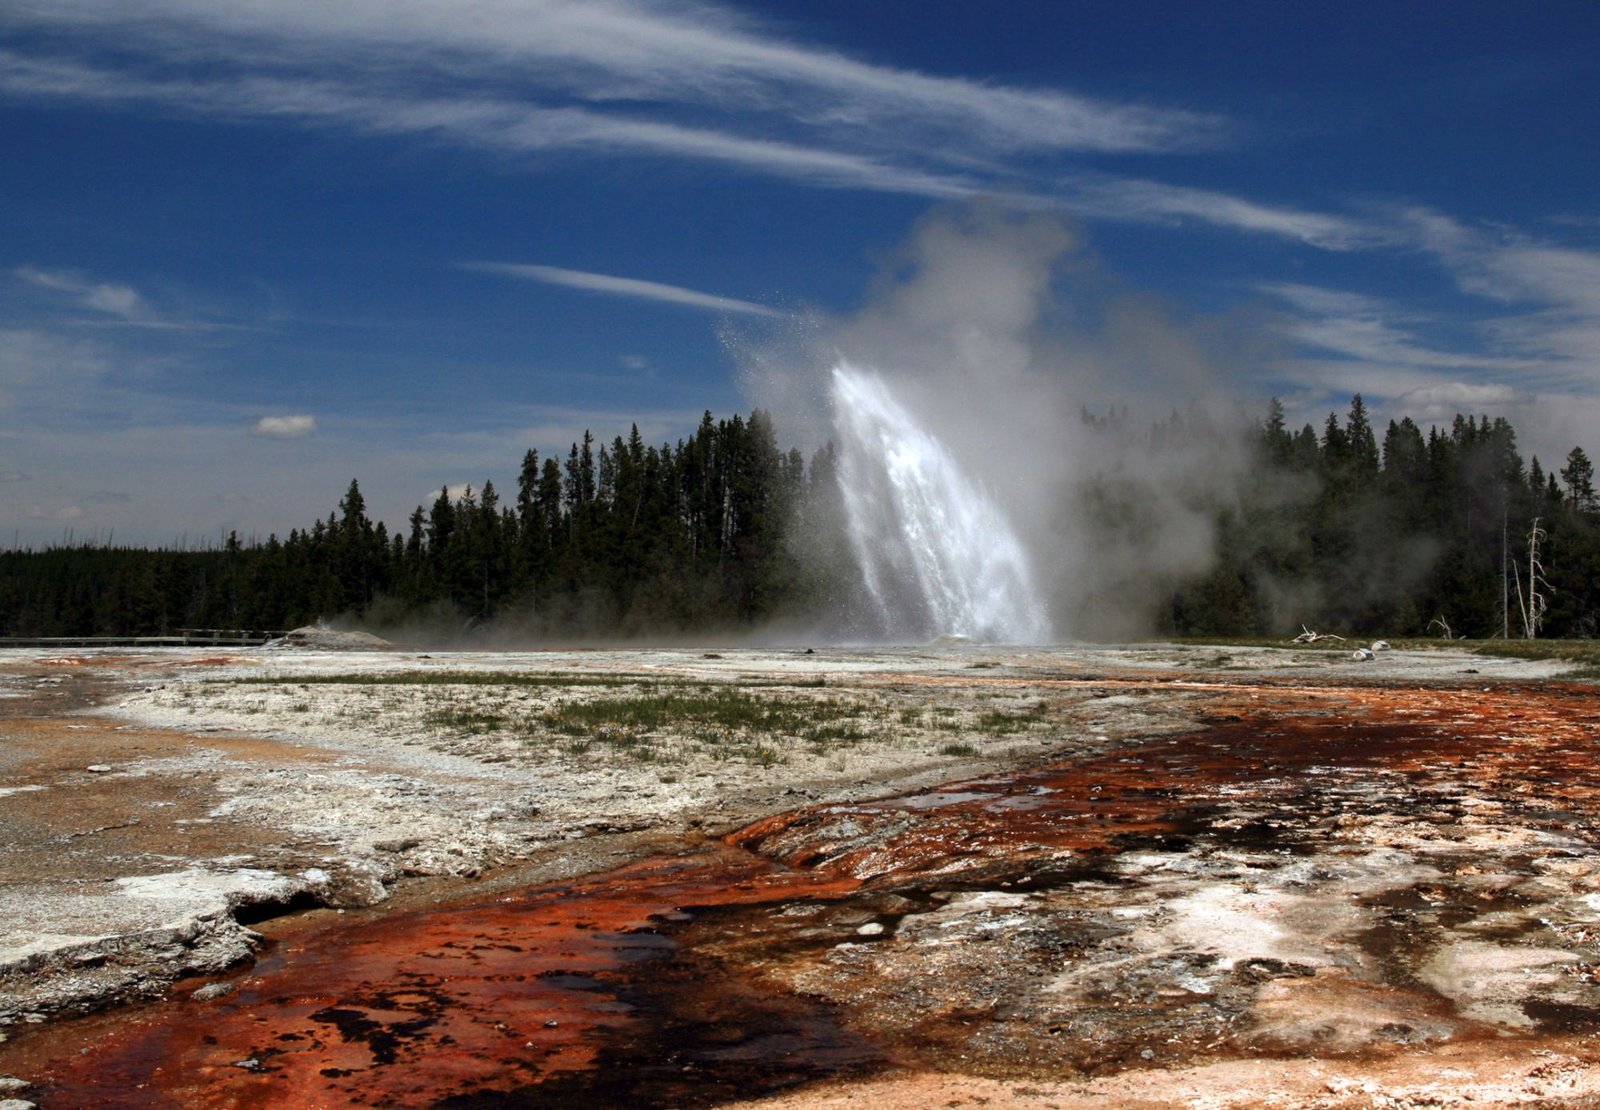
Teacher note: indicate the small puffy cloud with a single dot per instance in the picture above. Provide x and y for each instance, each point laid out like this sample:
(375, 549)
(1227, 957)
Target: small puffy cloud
(285, 427)
(109, 497)
(14, 476)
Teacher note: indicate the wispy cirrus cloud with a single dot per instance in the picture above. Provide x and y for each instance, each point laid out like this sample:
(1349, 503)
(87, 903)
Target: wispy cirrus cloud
(1547, 295)
(623, 287)
(1142, 201)
(121, 301)
(1522, 343)
(683, 53)
(668, 79)
(1365, 328)
(80, 299)
(653, 79)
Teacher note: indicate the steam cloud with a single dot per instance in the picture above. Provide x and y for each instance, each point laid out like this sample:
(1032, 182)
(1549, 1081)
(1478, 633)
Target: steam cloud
(997, 332)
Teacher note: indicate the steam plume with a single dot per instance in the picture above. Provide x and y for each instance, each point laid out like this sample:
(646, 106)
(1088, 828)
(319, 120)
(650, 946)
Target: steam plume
(994, 332)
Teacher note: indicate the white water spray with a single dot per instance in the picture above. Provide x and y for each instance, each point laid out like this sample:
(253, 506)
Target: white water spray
(936, 552)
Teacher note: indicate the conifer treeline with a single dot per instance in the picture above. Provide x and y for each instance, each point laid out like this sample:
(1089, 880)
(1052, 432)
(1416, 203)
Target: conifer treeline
(1416, 534)
(1413, 534)
(613, 540)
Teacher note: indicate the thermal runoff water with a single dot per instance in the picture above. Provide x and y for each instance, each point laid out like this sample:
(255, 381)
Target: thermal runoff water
(936, 551)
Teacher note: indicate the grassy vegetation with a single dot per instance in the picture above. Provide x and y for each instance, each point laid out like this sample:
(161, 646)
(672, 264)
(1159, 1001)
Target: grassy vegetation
(654, 723)
(659, 719)
(724, 719)
(455, 678)
(466, 719)
(1585, 654)
(517, 679)
(999, 722)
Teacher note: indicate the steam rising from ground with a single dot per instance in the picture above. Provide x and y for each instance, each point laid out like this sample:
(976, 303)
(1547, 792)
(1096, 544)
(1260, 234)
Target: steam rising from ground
(991, 334)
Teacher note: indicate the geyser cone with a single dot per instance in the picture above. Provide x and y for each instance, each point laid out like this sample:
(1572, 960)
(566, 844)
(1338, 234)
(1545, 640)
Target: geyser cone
(936, 552)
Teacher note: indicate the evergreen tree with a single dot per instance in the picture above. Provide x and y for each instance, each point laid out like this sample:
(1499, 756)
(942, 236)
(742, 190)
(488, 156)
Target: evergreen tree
(1578, 475)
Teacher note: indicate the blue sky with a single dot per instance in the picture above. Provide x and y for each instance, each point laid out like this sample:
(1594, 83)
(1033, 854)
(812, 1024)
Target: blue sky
(250, 249)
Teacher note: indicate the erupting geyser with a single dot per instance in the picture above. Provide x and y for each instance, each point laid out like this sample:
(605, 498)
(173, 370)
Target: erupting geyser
(937, 554)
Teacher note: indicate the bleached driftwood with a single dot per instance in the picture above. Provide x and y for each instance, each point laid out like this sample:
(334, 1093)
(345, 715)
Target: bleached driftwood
(1309, 637)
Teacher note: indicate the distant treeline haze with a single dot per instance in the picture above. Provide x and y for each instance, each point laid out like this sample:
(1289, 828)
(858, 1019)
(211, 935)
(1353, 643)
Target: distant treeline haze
(1448, 531)
(1419, 534)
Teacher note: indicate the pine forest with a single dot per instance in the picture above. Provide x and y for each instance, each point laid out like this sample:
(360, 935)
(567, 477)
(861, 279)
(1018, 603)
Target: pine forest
(1444, 532)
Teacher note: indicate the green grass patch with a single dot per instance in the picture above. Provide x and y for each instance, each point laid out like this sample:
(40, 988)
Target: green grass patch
(728, 721)
(829, 734)
(1002, 721)
(959, 748)
(713, 707)
(466, 719)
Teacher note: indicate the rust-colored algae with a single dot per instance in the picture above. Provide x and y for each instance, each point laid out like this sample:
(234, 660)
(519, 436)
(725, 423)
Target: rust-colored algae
(422, 1006)
(849, 912)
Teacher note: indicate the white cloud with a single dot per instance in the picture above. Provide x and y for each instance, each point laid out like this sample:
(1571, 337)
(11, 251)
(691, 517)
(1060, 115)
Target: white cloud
(115, 300)
(1155, 202)
(666, 79)
(624, 287)
(285, 427)
(939, 138)
(105, 302)
(1367, 329)
(688, 53)
(1445, 400)
(1551, 294)
(494, 122)
(676, 79)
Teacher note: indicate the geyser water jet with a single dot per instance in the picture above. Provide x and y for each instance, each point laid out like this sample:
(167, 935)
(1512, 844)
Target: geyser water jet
(936, 552)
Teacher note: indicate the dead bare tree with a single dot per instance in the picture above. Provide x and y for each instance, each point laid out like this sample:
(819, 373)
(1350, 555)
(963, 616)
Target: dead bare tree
(1443, 626)
(1534, 604)
(1309, 637)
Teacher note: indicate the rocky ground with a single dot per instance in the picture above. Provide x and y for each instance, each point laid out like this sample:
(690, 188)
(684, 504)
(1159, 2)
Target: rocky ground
(1154, 876)
(152, 802)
